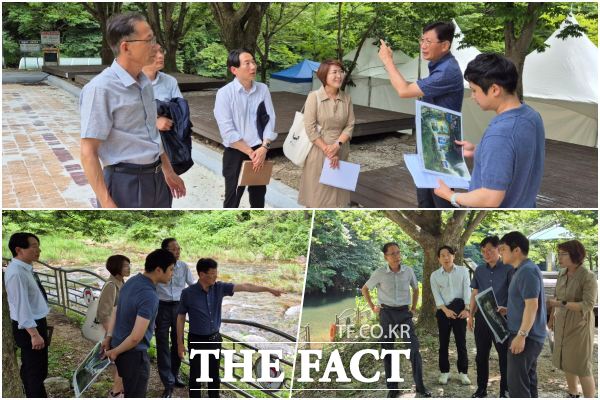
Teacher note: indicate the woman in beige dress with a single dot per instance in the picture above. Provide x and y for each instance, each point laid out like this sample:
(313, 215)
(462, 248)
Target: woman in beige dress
(119, 268)
(572, 319)
(329, 122)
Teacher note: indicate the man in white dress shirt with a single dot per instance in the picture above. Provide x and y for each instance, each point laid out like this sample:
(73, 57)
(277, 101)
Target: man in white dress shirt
(28, 307)
(245, 136)
(452, 295)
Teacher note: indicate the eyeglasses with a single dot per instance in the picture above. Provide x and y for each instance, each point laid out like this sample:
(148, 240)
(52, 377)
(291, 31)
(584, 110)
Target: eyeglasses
(427, 42)
(562, 254)
(151, 41)
(394, 254)
(337, 72)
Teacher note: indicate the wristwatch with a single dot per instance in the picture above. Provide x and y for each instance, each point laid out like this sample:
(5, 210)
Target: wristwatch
(267, 145)
(453, 200)
(523, 333)
(340, 144)
(564, 303)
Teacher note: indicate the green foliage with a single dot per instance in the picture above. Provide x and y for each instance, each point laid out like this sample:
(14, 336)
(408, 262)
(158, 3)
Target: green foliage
(235, 235)
(10, 50)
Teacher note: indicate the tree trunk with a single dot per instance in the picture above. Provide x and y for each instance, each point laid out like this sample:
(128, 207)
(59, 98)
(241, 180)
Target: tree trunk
(427, 229)
(517, 47)
(102, 12)
(169, 27)
(11, 380)
(239, 27)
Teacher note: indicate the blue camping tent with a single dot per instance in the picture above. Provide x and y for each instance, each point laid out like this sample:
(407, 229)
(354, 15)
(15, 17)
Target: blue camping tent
(295, 79)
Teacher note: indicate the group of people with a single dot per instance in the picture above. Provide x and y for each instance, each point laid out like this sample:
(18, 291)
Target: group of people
(132, 311)
(123, 156)
(518, 287)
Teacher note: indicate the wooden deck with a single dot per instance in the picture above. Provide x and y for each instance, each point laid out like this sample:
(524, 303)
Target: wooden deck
(570, 181)
(186, 82)
(369, 121)
(71, 71)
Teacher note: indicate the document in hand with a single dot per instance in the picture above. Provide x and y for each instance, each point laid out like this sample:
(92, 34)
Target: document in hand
(89, 370)
(426, 180)
(438, 156)
(344, 177)
(260, 178)
(488, 307)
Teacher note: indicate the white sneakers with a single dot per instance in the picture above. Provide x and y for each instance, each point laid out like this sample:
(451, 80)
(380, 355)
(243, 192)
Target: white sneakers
(463, 378)
(444, 376)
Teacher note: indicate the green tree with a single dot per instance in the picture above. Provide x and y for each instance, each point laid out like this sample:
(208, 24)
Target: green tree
(432, 229)
(102, 12)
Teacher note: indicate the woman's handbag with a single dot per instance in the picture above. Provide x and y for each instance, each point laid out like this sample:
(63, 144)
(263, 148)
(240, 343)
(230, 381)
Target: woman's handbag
(91, 328)
(297, 145)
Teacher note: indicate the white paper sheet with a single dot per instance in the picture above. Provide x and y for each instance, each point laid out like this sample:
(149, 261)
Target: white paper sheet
(427, 180)
(344, 177)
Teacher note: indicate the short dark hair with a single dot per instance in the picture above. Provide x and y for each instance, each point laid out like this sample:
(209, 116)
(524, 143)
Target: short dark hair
(491, 68)
(233, 59)
(165, 243)
(449, 248)
(20, 239)
(120, 26)
(324, 69)
(204, 264)
(493, 240)
(516, 239)
(159, 258)
(575, 249)
(114, 264)
(443, 30)
(386, 246)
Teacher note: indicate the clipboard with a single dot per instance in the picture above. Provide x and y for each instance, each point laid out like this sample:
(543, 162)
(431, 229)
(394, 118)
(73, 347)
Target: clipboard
(345, 177)
(250, 178)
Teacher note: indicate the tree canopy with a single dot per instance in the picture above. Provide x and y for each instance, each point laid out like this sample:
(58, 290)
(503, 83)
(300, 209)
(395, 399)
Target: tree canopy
(197, 35)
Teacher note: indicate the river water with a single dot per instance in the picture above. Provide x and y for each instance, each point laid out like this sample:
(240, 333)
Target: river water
(319, 311)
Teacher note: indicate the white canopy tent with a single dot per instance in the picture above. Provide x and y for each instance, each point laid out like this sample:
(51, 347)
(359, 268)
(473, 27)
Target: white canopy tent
(561, 83)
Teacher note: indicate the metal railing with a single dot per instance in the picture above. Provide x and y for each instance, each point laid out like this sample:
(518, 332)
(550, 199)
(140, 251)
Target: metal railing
(67, 293)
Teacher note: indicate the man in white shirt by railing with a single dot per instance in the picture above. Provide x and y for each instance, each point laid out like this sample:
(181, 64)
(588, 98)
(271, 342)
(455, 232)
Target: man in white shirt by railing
(28, 307)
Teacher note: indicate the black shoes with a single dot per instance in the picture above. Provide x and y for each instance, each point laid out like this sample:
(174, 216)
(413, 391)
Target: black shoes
(424, 393)
(168, 393)
(479, 393)
(393, 393)
(179, 382)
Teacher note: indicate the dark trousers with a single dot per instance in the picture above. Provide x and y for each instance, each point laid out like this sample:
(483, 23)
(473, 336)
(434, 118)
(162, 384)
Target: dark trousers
(213, 364)
(34, 363)
(427, 199)
(459, 327)
(393, 319)
(232, 164)
(134, 368)
(522, 369)
(483, 341)
(143, 189)
(166, 355)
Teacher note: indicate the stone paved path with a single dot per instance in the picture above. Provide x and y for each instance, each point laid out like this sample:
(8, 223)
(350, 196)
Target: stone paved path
(40, 157)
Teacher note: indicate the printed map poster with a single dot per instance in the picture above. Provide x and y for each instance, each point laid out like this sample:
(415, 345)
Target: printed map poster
(488, 307)
(437, 129)
(89, 370)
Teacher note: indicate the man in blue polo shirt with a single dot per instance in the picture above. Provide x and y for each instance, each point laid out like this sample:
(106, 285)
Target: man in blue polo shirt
(526, 316)
(132, 323)
(497, 275)
(202, 302)
(443, 87)
(509, 160)
(121, 149)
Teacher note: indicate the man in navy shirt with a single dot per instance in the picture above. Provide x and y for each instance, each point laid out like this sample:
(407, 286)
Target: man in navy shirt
(526, 316)
(132, 323)
(443, 87)
(497, 275)
(203, 304)
(509, 160)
